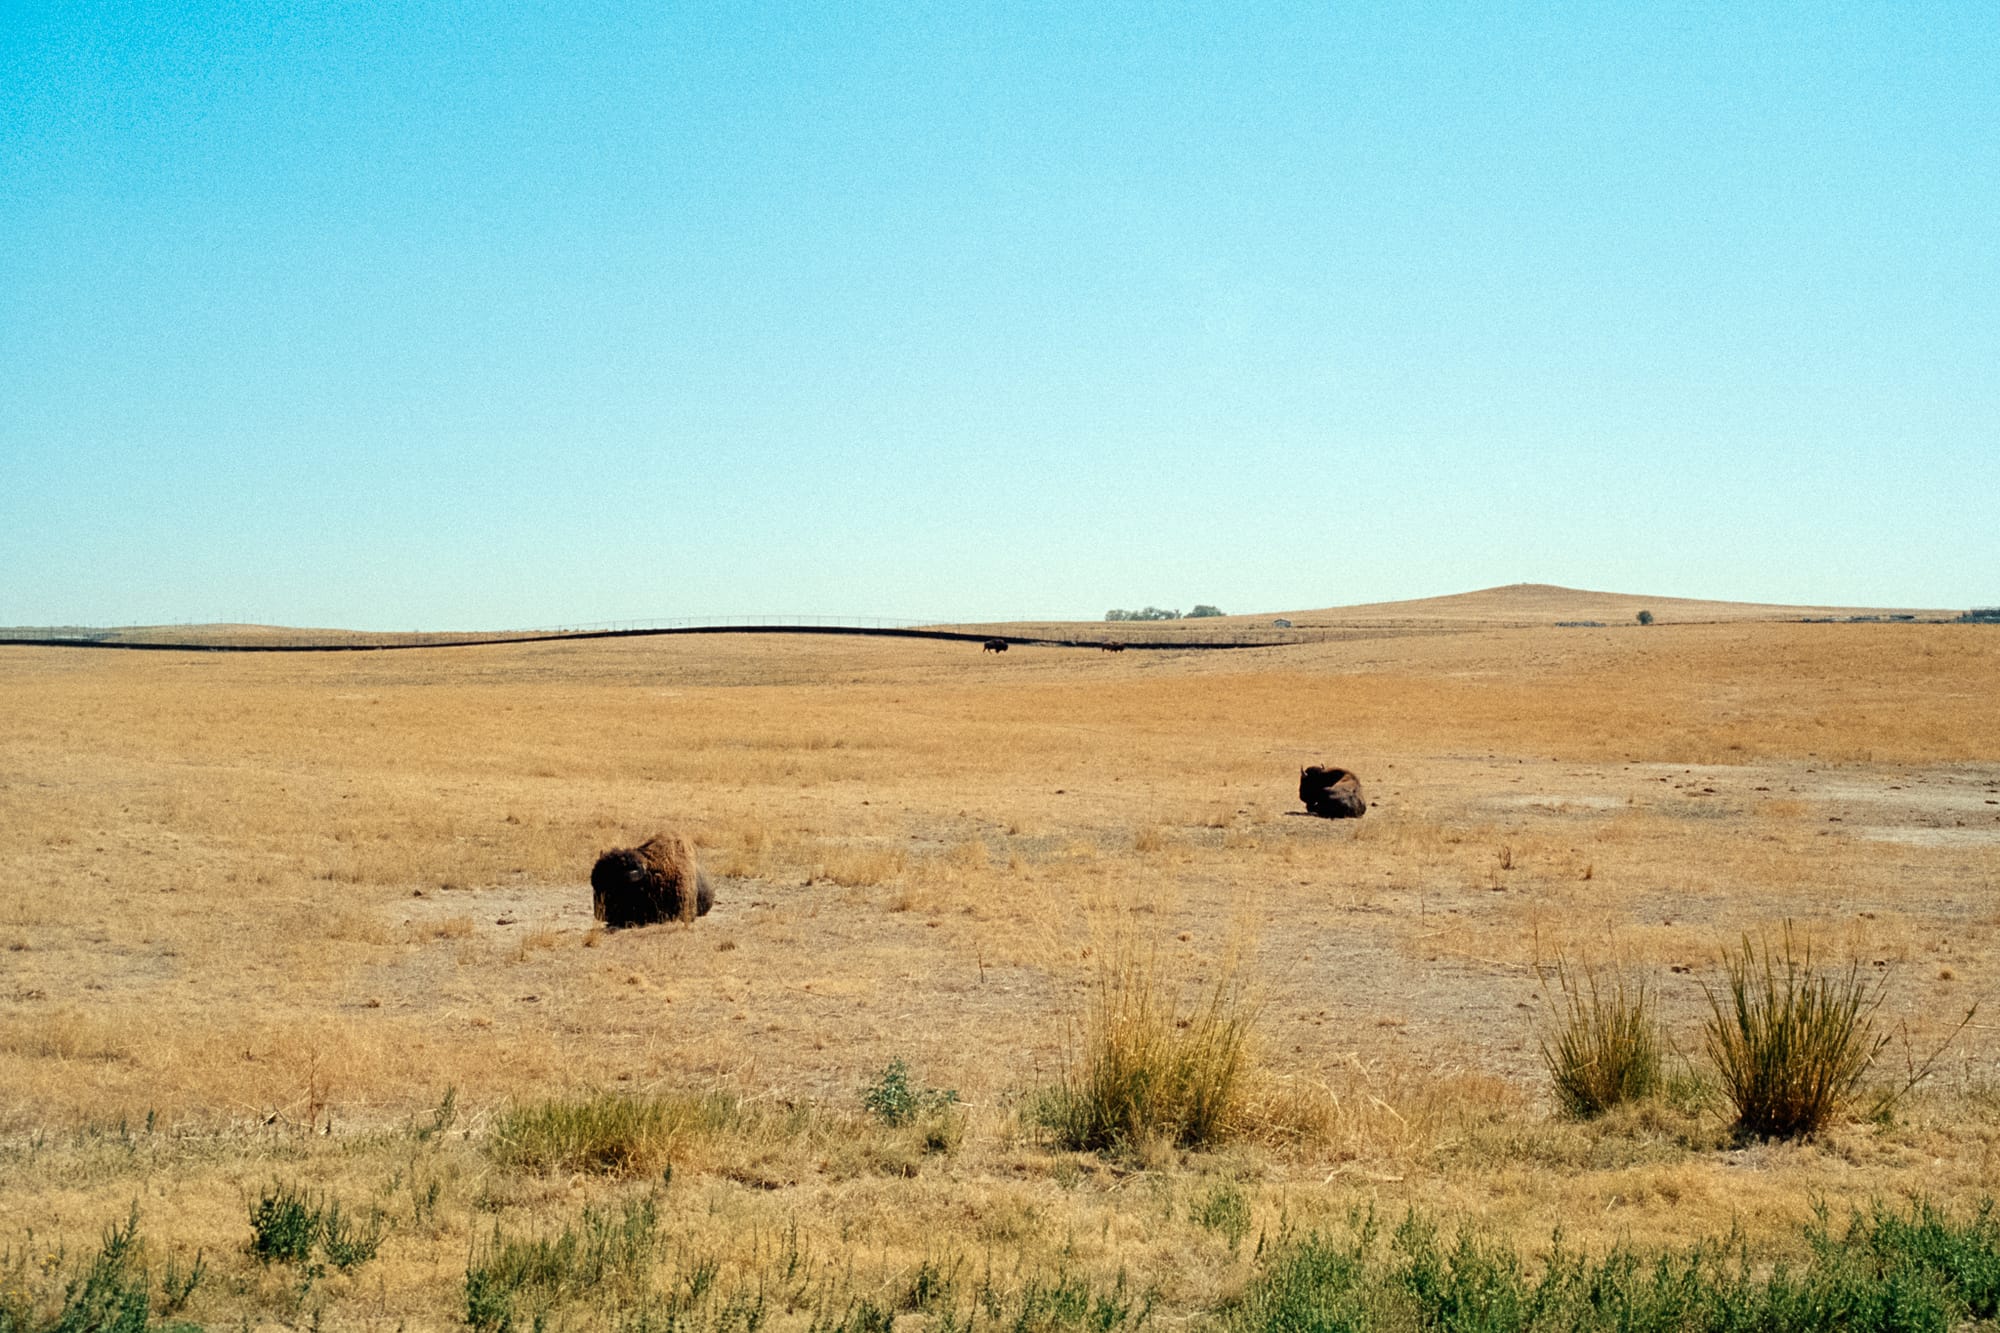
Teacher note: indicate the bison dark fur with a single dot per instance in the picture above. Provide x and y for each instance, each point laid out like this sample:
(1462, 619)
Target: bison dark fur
(1331, 793)
(995, 646)
(656, 881)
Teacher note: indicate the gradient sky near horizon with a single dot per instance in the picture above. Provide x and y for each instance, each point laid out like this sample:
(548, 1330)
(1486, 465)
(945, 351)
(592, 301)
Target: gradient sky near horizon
(452, 316)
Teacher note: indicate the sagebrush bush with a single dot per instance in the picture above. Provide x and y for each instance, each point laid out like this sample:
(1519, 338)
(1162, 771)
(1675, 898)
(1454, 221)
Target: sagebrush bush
(1139, 1067)
(1606, 1046)
(1790, 1041)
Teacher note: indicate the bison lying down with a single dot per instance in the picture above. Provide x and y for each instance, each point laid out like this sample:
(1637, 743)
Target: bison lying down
(656, 881)
(1331, 793)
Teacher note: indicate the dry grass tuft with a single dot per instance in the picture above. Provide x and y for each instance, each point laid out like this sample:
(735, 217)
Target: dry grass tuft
(452, 928)
(860, 867)
(607, 1133)
(1606, 1047)
(1792, 1041)
(1141, 1067)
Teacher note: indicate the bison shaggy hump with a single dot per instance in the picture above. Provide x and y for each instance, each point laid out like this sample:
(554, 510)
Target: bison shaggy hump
(656, 881)
(1331, 793)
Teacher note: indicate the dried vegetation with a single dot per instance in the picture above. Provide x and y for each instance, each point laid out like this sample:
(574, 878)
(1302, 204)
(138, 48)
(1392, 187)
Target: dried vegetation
(260, 913)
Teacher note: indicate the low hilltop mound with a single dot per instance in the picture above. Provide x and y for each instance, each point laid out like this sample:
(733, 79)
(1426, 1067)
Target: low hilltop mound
(1549, 604)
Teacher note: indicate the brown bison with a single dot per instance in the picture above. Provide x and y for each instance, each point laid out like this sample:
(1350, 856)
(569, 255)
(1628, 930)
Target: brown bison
(995, 646)
(1331, 793)
(656, 881)
(1114, 647)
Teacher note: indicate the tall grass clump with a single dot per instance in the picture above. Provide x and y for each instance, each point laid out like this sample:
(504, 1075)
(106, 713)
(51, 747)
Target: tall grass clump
(606, 1133)
(1790, 1040)
(1606, 1045)
(1140, 1067)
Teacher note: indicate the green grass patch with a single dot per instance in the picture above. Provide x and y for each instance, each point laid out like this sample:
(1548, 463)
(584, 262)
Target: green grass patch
(620, 1269)
(1920, 1270)
(605, 1258)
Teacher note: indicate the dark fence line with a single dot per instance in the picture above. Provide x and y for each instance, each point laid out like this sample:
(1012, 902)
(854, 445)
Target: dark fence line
(1249, 638)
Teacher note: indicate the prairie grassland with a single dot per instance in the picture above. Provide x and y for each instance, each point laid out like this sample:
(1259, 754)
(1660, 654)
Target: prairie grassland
(260, 915)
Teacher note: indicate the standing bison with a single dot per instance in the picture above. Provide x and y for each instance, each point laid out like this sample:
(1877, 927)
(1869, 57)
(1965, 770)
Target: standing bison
(995, 646)
(656, 881)
(1331, 793)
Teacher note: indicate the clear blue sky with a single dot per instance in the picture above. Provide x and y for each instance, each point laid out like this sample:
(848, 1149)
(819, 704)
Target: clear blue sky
(438, 315)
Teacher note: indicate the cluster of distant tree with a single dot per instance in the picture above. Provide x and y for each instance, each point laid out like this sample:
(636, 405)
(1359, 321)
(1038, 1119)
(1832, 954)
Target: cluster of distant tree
(1982, 615)
(1157, 613)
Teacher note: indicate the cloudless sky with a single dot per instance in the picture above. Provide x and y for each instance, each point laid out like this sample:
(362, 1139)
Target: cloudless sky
(451, 316)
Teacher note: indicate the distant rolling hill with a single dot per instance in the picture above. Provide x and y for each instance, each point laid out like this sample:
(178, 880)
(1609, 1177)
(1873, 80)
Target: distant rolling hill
(1548, 604)
(1514, 605)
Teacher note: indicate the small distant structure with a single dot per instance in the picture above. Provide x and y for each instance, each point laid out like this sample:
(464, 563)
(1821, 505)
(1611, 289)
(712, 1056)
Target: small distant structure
(1579, 624)
(1281, 623)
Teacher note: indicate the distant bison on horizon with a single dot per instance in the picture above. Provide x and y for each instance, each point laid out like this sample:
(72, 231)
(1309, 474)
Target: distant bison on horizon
(995, 646)
(1331, 793)
(1114, 647)
(656, 881)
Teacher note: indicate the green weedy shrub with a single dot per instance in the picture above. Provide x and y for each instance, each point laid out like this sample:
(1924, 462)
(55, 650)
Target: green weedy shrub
(895, 1101)
(283, 1225)
(1606, 1047)
(346, 1244)
(287, 1225)
(109, 1296)
(1789, 1041)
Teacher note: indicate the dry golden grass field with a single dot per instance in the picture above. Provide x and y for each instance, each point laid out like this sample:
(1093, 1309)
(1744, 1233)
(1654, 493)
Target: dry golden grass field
(323, 922)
